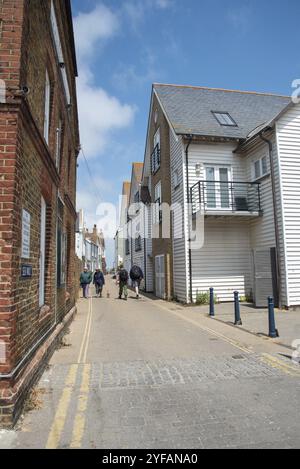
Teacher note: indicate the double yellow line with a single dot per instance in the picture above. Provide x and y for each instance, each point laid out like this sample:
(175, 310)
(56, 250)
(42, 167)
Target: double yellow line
(59, 421)
(280, 365)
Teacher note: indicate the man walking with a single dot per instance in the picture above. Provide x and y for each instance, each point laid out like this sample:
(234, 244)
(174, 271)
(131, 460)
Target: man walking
(122, 280)
(85, 281)
(136, 275)
(99, 282)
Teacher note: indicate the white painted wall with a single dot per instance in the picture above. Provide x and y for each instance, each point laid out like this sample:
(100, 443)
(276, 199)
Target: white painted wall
(179, 224)
(224, 262)
(288, 144)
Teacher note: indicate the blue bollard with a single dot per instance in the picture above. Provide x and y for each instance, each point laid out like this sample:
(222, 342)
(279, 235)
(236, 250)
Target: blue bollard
(273, 332)
(237, 311)
(211, 303)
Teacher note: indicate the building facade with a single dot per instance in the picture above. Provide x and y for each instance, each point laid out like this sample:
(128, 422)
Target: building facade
(120, 235)
(39, 145)
(233, 159)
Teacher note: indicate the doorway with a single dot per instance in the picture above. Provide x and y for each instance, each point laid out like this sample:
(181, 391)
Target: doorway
(160, 277)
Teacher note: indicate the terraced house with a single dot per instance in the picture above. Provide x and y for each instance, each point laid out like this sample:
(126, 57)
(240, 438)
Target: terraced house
(39, 144)
(233, 158)
(137, 230)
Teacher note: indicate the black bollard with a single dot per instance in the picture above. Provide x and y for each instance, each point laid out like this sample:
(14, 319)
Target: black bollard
(273, 332)
(211, 303)
(237, 311)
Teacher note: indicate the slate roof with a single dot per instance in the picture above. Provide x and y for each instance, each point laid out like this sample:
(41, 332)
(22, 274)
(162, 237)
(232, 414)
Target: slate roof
(190, 109)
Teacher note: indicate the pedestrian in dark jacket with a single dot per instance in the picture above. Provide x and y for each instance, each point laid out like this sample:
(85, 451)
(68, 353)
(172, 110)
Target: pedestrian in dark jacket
(136, 275)
(122, 281)
(85, 281)
(99, 282)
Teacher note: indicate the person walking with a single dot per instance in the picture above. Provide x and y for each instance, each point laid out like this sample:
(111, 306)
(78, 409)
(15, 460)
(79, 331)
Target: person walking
(99, 282)
(85, 281)
(136, 275)
(122, 281)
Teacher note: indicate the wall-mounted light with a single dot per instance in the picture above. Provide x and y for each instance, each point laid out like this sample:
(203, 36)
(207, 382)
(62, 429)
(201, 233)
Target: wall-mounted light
(198, 168)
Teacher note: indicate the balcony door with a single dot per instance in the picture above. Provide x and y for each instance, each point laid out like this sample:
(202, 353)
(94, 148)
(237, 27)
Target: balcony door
(218, 183)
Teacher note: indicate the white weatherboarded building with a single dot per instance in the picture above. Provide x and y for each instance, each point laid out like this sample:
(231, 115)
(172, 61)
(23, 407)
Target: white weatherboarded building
(137, 241)
(235, 161)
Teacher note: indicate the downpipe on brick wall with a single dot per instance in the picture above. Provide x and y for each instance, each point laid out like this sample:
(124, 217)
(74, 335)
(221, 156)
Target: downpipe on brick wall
(31, 351)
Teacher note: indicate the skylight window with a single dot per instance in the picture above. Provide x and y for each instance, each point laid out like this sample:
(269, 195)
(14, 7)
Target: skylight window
(224, 118)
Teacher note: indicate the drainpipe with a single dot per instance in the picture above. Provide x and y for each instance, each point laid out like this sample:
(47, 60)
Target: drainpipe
(277, 236)
(190, 138)
(145, 212)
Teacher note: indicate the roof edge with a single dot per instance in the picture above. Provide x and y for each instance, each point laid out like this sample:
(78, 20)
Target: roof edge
(259, 93)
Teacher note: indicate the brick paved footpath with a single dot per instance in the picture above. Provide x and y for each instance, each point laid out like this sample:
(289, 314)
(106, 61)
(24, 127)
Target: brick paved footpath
(148, 374)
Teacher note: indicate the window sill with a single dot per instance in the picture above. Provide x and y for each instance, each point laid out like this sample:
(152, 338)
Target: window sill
(262, 178)
(45, 312)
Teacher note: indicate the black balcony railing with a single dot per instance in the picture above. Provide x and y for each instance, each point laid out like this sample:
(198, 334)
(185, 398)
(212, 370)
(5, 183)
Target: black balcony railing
(155, 159)
(226, 196)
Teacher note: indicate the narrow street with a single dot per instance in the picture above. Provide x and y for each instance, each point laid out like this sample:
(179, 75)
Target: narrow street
(149, 374)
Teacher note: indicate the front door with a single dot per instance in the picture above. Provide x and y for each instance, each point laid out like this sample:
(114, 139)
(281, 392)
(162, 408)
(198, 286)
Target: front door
(160, 276)
(263, 277)
(218, 181)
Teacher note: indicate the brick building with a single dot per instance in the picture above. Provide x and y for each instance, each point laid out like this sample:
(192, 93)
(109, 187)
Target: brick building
(39, 143)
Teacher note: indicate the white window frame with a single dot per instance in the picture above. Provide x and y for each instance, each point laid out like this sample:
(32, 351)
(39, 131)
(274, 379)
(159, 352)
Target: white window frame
(59, 52)
(42, 280)
(157, 202)
(47, 107)
(262, 173)
(224, 119)
(218, 186)
(156, 140)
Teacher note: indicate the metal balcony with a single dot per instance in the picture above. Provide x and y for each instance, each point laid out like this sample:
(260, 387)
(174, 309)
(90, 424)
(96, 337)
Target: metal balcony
(224, 198)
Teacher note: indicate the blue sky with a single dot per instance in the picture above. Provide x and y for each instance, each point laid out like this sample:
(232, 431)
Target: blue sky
(124, 46)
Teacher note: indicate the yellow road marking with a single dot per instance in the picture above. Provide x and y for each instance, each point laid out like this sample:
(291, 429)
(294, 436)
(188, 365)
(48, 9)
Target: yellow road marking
(79, 422)
(61, 413)
(279, 365)
(88, 333)
(64, 403)
(204, 328)
(85, 334)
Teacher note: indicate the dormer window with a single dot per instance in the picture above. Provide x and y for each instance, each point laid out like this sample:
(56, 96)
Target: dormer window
(224, 119)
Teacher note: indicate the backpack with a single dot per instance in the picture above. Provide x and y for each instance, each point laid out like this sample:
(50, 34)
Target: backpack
(136, 273)
(123, 275)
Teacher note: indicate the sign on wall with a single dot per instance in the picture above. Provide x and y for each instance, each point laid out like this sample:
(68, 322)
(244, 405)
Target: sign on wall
(26, 271)
(26, 218)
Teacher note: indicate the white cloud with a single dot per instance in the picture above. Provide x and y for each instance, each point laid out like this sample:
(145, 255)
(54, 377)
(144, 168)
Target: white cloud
(148, 71)
(240, 17)
(163, 4)
(90, 28)
(136, 10)
(99, 113)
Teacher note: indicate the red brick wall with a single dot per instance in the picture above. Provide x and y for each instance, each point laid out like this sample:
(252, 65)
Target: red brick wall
(28, 172)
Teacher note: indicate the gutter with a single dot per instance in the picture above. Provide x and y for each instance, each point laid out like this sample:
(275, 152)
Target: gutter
(277, 236)
(190, 138)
